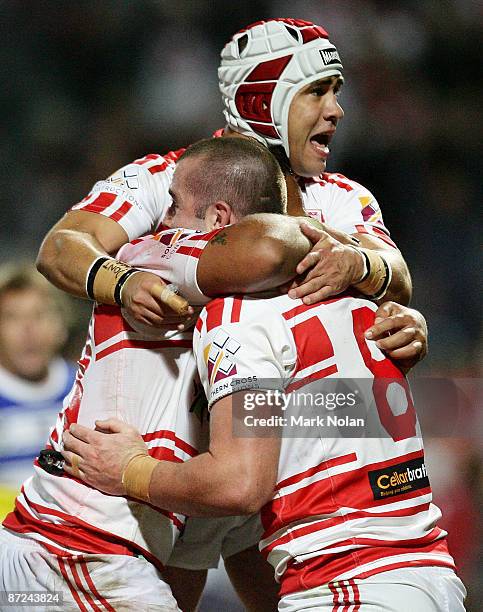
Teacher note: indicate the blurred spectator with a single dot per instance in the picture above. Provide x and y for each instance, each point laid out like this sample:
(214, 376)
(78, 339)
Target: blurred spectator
(34, 379)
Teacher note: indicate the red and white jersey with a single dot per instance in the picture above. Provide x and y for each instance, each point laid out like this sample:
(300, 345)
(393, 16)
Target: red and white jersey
(136, 196)
(146, 378)
(343, 507)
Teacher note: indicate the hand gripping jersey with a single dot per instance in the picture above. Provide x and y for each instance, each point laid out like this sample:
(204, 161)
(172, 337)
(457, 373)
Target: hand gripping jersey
(344, 507)
(136, 196)
(145, 377)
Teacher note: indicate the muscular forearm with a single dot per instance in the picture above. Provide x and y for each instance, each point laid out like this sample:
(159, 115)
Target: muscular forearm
(258, 253)
(72, 245)
(204, 486)
(64, 259)
(236, 476)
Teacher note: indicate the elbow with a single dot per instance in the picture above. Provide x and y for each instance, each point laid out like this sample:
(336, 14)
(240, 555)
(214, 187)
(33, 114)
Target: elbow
(43, 262)
(246, 505)
(249, 497)
(46, 258)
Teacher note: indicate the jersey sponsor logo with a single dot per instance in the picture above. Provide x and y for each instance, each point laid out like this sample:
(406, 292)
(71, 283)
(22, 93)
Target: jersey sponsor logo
(117, 190)
(330, 56)
(370, 211)
(399, 479)
(219, 355)
(125, 178)
(234, 385)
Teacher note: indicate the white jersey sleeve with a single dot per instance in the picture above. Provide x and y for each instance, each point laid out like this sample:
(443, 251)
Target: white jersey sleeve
(136, 196)
(345, 205)
(173, 255)
(239, 345)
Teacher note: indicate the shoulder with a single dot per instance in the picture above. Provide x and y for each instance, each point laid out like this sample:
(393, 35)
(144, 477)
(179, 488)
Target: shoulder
(337, 183)
(243, 309)
(155, 163)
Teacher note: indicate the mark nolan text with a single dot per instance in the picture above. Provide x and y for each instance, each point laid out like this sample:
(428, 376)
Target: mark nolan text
(301, 421)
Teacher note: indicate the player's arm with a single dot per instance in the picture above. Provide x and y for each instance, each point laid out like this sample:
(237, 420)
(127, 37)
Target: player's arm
(360, 261)
(68, 256)
(73, 244)
(236, 476)
(333, 264)
(259, 252)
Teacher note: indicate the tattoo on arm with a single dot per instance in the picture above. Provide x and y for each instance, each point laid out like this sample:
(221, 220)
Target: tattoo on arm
(220, 238)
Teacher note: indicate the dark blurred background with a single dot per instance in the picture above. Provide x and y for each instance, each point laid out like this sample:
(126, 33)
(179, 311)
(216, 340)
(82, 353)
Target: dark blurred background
(88, 86)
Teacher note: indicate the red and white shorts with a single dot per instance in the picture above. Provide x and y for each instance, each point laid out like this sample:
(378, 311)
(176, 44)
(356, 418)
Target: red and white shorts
(105, 583)
(417, 589)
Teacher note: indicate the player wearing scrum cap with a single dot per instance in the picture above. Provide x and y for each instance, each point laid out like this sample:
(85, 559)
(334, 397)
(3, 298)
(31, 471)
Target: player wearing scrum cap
(279, 81)
(299, 113)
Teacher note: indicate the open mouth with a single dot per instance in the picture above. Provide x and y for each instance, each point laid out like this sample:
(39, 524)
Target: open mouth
(320, 143)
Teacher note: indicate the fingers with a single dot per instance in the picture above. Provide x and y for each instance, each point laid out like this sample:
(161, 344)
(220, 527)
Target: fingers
(310, 260)
(412, 352)
(384, 326)
(311, 232)
(73, 444)
(81, 433)
(398, 340)
(150, 301)
(401, 333)
(174, 301)
(311, 292)
(71, 464)
(113, 426)
(386, 310)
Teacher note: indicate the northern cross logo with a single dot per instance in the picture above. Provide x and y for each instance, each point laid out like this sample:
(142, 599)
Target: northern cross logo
(218, 356)
(127, 179)
(399, 479)
(330, 56)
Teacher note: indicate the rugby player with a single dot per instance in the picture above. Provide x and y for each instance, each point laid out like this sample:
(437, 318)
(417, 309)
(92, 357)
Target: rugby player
(67, 534)
(348, 521)
(294, 110)
(279, 81)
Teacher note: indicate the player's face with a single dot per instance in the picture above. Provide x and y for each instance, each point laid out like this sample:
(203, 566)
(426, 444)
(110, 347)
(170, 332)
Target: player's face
(182, 212)
(312, 120)
(30, 333)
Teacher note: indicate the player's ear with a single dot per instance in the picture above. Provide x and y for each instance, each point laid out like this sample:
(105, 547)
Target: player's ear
(223, 214)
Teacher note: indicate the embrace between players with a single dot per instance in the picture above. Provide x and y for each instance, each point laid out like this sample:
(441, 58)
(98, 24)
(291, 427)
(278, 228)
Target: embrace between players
(111, 530)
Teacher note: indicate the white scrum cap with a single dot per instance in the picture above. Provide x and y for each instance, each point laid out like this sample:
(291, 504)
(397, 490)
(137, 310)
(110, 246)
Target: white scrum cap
(262, 68)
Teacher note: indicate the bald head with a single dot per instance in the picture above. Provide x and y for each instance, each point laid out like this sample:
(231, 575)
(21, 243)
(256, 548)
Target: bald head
(238, 171)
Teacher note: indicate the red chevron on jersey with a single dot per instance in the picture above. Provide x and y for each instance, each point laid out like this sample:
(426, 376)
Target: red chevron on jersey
(111, 205)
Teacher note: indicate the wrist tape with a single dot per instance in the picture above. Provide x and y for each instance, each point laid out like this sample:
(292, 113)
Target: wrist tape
(105, 280)
(137, 476)
(169, 296)
(377, 275)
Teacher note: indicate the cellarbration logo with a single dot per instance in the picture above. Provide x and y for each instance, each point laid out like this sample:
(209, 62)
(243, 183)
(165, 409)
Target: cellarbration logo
(399, 479)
